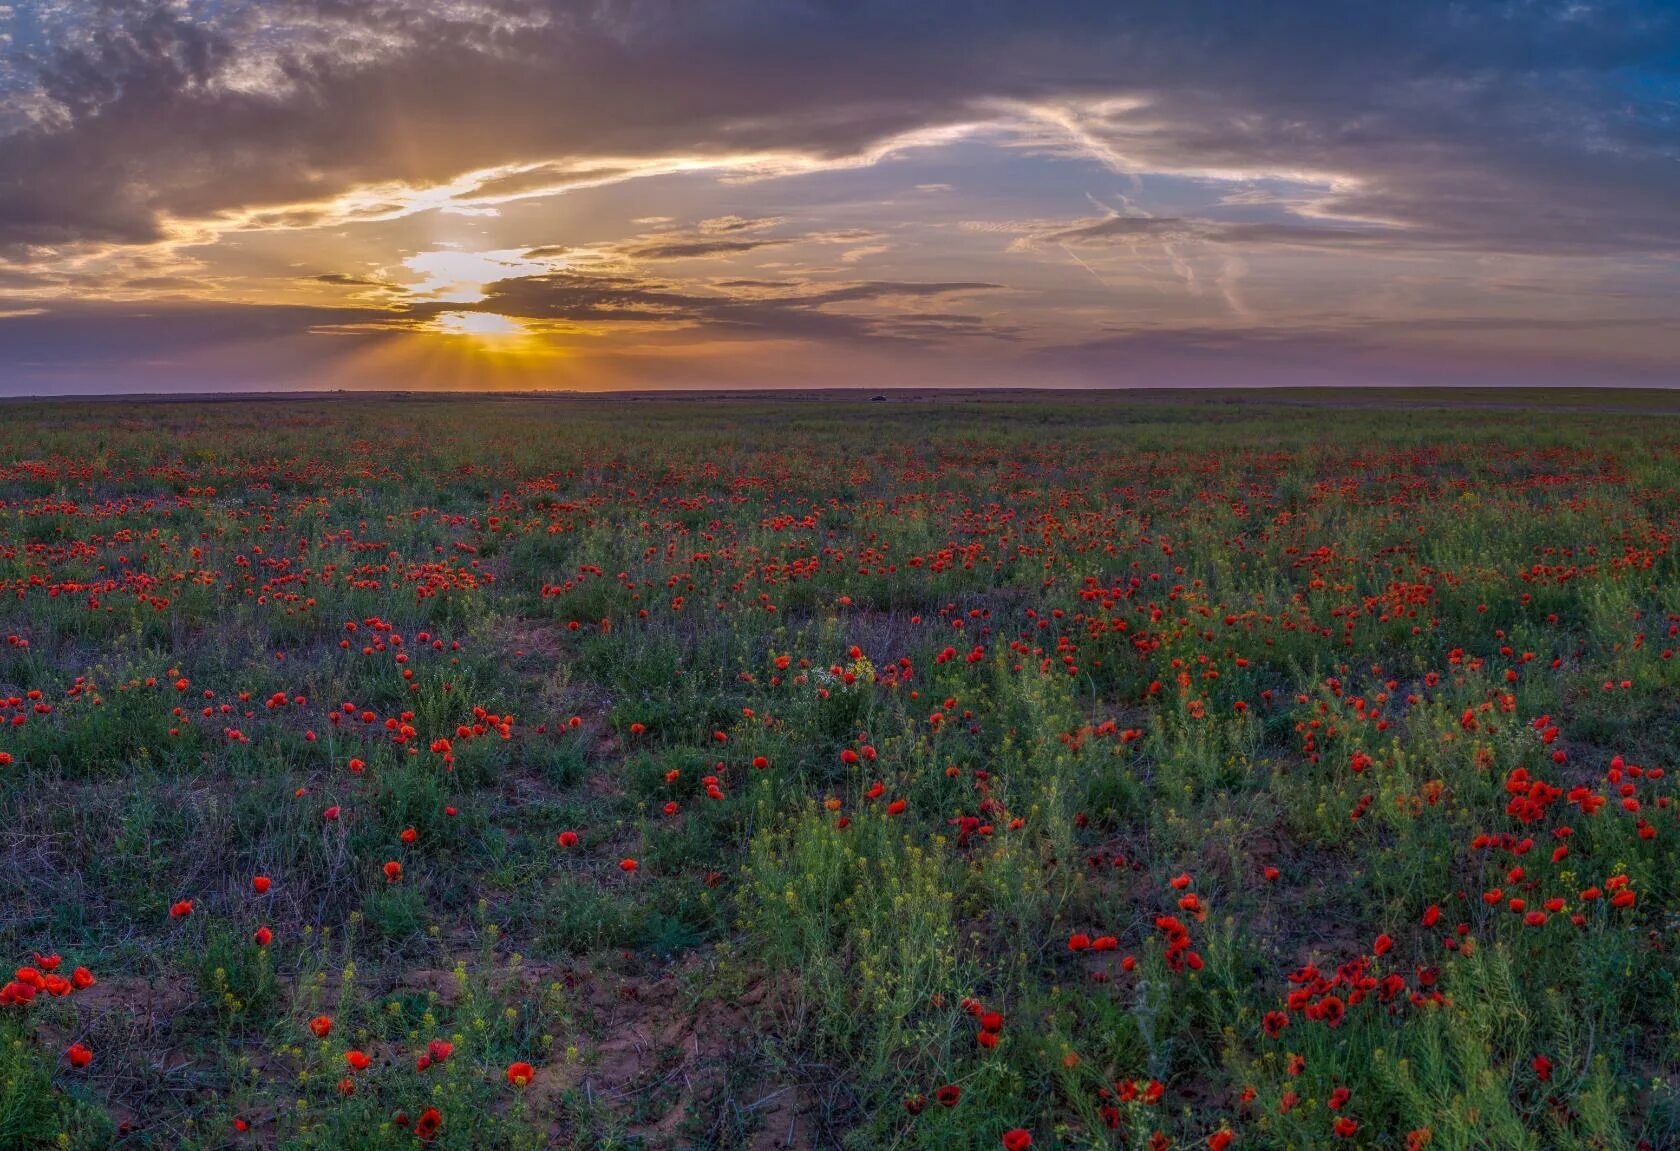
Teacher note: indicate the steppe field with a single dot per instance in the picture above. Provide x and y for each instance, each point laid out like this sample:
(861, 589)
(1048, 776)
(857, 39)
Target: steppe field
(1223, 770)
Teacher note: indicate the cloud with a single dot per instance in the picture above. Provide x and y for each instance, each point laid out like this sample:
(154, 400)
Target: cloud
(344, 279)
(1258, 165)
(1334, 350)
(732, 235)
(1505, 127)
(724, 224)
(686, 249)
(1331, 234)
(739, 309)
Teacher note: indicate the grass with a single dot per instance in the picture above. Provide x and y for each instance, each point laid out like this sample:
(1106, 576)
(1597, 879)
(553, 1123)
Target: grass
(1274, 769)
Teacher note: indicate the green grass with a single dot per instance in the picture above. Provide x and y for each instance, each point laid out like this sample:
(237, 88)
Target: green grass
(890, 707)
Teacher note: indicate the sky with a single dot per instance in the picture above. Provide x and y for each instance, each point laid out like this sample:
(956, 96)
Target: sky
(215, 195)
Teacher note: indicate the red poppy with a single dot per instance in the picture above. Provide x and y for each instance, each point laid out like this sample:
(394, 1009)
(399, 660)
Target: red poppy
(321, 1026)
(427, 1125)
(519, 1074)
(79, 1055)
(260, 884)
(181, 909)
(1017, 1139)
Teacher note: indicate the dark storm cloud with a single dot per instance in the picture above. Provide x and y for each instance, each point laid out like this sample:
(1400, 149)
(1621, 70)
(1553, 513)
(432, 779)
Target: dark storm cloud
(1522, 126)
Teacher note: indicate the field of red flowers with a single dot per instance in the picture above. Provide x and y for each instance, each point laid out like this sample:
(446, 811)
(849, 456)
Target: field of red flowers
(519, 773)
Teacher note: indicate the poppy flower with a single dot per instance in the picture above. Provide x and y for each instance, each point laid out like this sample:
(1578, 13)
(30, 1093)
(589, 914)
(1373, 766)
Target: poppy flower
(393, 871)
(1017, 1139)
(1220, 1140)
(357, 1060)
(427, 1125)
(79, 1055)
(567, 839)
(627, 865)
(321, 1026)
(948, 1095)
(262, 937)
(519, 1074)
(181, 909)
(260, 884)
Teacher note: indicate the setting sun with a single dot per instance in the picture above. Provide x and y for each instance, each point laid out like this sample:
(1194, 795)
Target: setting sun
(485, 326)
